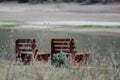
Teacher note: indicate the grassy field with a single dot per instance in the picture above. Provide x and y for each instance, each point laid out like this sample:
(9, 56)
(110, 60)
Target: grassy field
(102, 65)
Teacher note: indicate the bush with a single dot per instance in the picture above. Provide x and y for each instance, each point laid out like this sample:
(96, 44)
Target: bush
(59, 59)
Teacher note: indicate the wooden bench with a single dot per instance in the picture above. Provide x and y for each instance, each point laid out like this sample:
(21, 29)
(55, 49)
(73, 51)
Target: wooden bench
(68, 46)
(26, 50)
(43, 57)
(57, 45)
(64, 45)
(81, 58)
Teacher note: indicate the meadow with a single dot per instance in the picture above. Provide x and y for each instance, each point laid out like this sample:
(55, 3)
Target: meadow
(103, 63)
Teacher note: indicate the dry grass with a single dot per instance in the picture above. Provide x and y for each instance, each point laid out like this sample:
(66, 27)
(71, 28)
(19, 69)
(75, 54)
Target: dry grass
(101, 67)
(10, 71)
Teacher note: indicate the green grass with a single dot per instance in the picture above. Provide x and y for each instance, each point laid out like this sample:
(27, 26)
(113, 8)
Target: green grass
(9, 25)
(2, 66)
(89, 26)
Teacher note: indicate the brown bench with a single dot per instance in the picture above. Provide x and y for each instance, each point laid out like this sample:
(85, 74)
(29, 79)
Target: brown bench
(57, 45)
(81, 58)
(43, 57)
(68, 46)
(64, 45)
(26, 50)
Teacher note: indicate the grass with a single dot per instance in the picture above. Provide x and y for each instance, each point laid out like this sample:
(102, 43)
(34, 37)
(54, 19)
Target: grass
(96, 71)
(2, 66)
(9, 25)
(89, 26)
(49, 72)
(12, 24)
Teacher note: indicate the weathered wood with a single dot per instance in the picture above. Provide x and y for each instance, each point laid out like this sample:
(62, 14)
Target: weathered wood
(26, 50)
(68, 46)
(81, 57)
(65, 45)
(43, 56)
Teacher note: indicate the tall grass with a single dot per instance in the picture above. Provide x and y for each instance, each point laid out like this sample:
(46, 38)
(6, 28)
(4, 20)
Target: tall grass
(49, 72)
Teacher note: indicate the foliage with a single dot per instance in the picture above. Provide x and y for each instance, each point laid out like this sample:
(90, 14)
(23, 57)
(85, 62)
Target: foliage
(59, 59)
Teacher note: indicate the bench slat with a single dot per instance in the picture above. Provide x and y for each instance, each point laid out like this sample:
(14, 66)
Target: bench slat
(27, 53)
(24, 44)
(62, 43)
(61, 40)
(24, 40)
(64, 47)
(24, 49)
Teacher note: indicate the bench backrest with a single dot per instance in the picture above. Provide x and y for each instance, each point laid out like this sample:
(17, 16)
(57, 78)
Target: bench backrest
(65, 45)
(25, 45)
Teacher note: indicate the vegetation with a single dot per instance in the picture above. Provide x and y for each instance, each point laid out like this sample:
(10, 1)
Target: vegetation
(59, 59)
(103, 63)
(90, 26)
(9, 25)
(48, 72)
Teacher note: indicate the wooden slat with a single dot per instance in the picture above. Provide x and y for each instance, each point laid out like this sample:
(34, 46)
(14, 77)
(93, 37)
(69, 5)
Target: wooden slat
(26, 53)
(24, 50)
(24, 40)
(24, 45)
(64, 47)
(61, 40)
(63, 43)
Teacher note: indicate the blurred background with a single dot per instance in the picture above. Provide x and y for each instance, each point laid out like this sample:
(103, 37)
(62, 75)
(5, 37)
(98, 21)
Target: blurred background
(77, 1)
